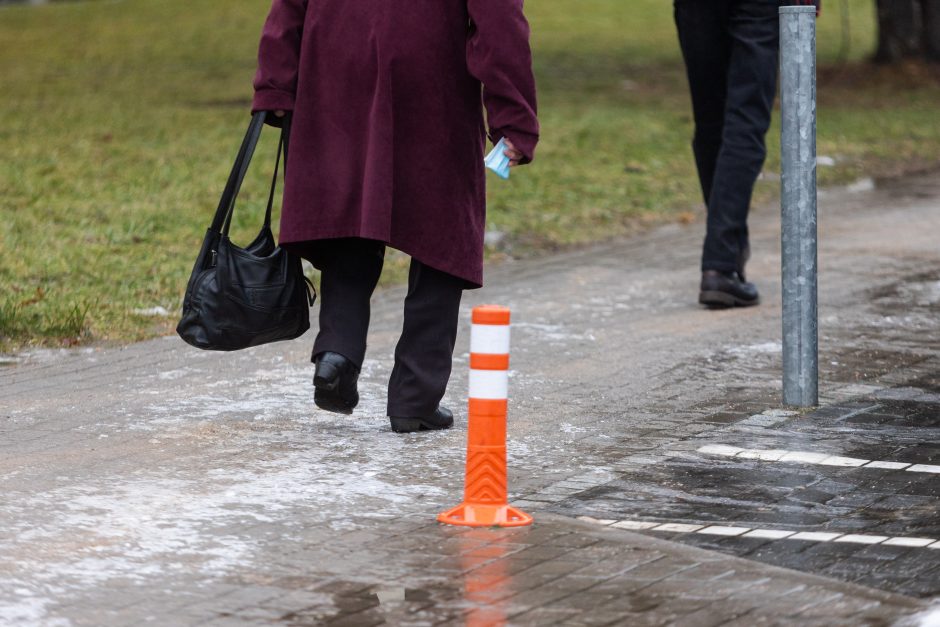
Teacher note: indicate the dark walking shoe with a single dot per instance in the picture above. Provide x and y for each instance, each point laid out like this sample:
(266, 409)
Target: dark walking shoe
(726, 289)
(335, 382)
(442, 418)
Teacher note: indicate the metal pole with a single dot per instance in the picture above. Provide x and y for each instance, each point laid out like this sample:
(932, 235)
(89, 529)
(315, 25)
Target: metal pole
(798, 200)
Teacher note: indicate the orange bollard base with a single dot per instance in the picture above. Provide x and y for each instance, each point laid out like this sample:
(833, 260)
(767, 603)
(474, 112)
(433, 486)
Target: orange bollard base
(470, 515)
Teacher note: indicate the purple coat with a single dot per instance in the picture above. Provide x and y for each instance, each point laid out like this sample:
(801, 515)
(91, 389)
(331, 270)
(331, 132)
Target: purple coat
(388, 135)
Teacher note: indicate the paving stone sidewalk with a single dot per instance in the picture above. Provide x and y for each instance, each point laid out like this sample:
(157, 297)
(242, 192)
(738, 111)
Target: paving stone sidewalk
(159, 484)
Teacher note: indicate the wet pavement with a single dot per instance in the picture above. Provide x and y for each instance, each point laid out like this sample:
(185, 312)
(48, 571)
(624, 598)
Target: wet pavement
(862, 473)
(159, 484)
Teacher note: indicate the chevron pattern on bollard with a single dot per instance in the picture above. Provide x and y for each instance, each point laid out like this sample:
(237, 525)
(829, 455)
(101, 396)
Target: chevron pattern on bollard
(486, 475)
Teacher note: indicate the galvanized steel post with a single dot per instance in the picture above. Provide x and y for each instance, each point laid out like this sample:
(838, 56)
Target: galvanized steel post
(798, 200)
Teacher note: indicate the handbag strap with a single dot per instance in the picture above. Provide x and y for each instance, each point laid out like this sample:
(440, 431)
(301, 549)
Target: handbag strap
(281, 148)
(240, 167)
(223, 216)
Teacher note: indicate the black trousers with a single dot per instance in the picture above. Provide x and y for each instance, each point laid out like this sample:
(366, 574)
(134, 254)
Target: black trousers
(730, 49)
(350, 269)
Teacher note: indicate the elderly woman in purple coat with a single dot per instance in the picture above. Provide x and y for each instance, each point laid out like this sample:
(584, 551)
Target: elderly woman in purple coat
(386, 149)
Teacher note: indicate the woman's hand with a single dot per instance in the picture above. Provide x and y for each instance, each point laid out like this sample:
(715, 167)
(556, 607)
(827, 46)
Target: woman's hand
(514, 155)
(279, 114)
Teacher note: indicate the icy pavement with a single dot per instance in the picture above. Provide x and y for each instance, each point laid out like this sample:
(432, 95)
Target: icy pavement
(161, 484)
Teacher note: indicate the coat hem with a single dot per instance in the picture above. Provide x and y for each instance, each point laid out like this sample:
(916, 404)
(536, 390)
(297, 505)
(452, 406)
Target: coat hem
(473, 280)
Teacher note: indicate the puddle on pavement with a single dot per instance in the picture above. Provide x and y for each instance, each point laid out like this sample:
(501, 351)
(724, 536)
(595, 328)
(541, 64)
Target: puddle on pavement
(892, 413)
(799, 497)
(372, 605)
(477, 595)
(781, 496)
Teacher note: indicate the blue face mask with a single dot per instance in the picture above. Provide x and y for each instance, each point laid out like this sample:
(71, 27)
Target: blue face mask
(497, 161)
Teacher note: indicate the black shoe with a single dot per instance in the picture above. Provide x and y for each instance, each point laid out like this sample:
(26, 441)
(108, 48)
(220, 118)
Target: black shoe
(442, 418)
(726, 289)
(335, 383)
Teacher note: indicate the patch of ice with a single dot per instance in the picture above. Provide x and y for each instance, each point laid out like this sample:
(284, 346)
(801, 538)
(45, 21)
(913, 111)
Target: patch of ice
(27, 610)
(517, 448)
(928, 618)
(922, 294)
(152, 526)
(931, 618)
(166, 520)
(258, 454)
(552, 332)
(169, 375)
(766, 348)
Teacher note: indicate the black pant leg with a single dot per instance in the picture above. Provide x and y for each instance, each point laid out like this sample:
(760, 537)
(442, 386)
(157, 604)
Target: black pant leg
(702, 26)
(424, 355)
(350, 270)
(751, 87)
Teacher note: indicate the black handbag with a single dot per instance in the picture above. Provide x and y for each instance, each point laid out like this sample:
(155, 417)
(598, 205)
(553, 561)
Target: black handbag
(242, 297)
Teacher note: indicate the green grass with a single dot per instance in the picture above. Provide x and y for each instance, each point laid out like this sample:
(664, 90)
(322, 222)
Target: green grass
(120, 119)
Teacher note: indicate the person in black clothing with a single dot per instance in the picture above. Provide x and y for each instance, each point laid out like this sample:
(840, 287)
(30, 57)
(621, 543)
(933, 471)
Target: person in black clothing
(730, 49)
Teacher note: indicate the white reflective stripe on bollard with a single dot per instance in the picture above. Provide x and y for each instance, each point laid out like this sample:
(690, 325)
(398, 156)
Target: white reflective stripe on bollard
(489, 339)
(489, 384)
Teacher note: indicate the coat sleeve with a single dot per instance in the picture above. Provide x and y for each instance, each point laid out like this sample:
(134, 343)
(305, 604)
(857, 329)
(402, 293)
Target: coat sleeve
(279, 57)
(498, 54)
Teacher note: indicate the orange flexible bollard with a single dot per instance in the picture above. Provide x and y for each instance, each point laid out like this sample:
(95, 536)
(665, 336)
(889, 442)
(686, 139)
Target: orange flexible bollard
(485, 496)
